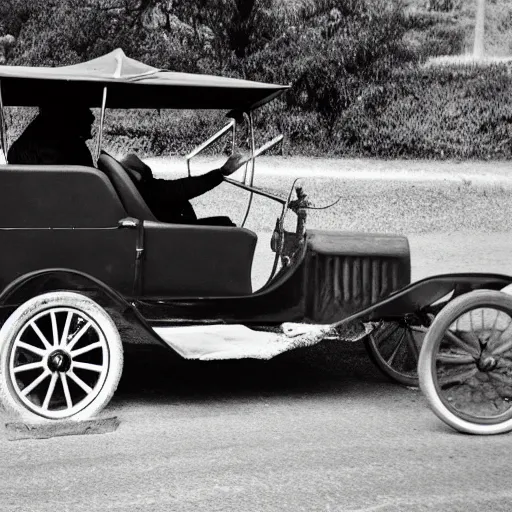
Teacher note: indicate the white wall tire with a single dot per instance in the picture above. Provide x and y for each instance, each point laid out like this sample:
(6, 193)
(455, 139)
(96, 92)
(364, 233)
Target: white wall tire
(465, 364)
(61, 358)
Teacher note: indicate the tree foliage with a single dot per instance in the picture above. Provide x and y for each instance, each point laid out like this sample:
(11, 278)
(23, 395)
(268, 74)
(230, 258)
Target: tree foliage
(332, 51)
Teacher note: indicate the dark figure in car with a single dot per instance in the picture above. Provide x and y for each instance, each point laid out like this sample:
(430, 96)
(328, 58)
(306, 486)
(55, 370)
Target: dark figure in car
(58, 134)
(160, 194)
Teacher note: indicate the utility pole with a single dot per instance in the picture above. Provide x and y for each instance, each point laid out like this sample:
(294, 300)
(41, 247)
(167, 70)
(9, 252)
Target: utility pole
(478, 49)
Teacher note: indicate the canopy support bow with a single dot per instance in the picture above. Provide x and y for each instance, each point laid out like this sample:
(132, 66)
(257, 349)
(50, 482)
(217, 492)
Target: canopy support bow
(3, 130)
(102, 120)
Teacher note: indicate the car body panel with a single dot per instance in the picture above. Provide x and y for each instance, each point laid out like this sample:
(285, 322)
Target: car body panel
(108, 254)
(349, 271)
(196, 261)
(318, 287)
(69, 217)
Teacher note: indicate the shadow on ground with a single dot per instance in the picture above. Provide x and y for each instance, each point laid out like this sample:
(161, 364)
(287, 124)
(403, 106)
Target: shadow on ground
(155, 374)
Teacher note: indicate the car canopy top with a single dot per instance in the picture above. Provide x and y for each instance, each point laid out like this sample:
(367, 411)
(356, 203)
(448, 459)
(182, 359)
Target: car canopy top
(130, 84)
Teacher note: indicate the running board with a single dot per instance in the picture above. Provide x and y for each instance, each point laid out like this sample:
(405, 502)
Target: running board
(219, 342)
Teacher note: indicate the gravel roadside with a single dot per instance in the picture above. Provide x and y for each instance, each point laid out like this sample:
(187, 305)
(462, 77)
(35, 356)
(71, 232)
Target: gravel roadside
(408, 170)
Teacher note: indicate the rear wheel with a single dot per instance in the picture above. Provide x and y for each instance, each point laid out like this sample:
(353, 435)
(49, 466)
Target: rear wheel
(395, 347)
(465, 364)
(61, 358)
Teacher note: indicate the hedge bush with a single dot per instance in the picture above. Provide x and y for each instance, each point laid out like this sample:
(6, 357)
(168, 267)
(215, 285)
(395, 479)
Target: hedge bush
(429, 112)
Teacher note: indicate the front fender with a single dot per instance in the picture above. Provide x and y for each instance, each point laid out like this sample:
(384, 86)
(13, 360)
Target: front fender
(419, 296)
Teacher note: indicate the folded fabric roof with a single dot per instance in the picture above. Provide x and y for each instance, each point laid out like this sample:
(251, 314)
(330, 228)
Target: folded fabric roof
(130, 84)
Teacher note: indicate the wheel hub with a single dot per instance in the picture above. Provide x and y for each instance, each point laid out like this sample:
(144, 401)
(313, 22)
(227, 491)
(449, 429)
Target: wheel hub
(487, 363)
(59, 361)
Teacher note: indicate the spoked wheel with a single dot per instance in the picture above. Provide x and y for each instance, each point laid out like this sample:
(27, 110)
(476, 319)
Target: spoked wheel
(465, 365)
(395, 347)
(61, 357)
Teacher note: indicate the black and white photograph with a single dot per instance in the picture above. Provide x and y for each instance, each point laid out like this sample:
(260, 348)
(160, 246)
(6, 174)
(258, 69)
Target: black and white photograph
(255, 255)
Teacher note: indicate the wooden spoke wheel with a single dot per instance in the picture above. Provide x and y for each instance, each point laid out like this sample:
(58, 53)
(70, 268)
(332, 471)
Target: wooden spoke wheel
(61, 357)
(465, 364)
(395, 346)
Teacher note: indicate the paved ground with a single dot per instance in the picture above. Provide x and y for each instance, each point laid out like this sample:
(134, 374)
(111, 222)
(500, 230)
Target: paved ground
(317, 430)
(313, 430)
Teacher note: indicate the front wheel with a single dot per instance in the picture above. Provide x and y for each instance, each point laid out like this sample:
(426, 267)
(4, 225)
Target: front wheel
(465, 364)
(61, 358)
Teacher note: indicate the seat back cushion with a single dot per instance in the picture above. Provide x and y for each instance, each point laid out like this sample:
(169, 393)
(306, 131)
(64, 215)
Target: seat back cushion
(57, 196)
(131, 198)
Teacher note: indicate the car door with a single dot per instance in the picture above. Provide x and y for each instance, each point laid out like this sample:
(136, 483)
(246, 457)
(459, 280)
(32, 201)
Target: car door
(64, 217)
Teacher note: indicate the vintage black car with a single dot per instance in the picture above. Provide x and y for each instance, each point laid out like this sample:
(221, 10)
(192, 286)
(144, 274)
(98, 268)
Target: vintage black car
(73, 269)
